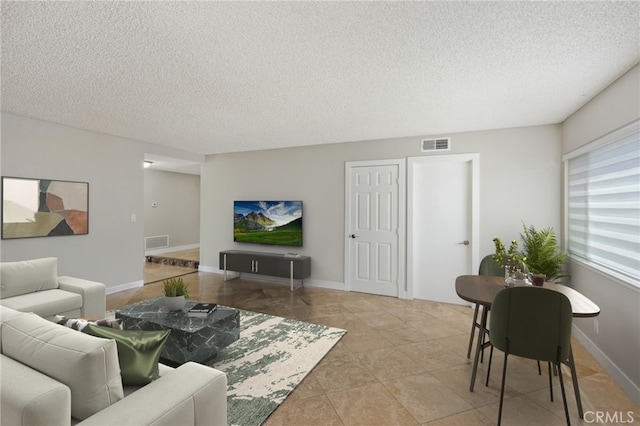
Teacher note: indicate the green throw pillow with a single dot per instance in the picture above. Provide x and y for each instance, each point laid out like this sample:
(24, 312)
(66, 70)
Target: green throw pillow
(138, 352)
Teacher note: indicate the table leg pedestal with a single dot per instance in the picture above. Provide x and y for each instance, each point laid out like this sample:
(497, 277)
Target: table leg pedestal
(574, 379)
(474, 325)
(479, 347)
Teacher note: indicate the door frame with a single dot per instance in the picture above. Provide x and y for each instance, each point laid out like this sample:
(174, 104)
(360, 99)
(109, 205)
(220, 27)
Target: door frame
(402, 228)
(474, 158)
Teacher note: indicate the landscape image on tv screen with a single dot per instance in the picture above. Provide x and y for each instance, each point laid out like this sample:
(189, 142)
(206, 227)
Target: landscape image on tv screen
(268, 222)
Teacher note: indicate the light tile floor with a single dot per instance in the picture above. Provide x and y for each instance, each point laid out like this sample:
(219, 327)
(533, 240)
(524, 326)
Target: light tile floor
(402, 362)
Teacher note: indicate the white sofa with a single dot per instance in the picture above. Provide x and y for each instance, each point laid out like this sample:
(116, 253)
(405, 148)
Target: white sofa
(34, 286)
(53, 375)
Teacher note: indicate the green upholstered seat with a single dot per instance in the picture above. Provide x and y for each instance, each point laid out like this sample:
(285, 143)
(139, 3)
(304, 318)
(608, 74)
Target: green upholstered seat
(531, 322)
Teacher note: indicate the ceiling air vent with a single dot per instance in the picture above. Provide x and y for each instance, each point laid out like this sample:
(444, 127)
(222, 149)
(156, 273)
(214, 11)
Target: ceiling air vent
(443, 144)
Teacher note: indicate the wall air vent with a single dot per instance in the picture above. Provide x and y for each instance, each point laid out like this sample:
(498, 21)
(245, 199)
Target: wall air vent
(442, 144)
(161, 241)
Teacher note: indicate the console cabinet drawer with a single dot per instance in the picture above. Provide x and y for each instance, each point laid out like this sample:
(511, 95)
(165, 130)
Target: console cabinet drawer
(301, 269)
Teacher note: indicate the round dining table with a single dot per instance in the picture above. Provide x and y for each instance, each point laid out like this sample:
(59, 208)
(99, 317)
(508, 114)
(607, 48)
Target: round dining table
(481, 290)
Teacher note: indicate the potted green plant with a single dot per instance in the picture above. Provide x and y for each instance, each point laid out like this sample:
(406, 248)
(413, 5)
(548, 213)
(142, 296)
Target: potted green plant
(543, 254)
(176, 293)
(512, 260)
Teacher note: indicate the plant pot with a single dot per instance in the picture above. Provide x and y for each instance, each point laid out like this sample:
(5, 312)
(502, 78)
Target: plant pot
(175, 303)
(538, 279)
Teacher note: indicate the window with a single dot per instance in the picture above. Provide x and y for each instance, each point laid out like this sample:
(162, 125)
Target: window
(603, 203)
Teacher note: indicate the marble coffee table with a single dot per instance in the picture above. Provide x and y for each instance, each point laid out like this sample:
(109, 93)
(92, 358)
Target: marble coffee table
(191, 339)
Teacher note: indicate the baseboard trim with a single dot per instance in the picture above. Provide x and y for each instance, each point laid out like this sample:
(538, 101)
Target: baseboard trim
(123, 287)
(212, 269)
(632, 389)
(307, 283)
(333, 285)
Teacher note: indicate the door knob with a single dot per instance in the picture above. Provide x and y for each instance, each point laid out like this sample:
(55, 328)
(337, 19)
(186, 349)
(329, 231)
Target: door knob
(353, 236)
(465, 242)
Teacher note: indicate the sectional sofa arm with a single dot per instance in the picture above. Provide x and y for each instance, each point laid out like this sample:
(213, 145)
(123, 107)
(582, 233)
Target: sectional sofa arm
(31, 398)
(190, 395)
(94, 302)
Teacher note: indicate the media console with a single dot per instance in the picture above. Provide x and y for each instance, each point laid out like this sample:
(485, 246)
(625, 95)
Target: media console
(271, 264)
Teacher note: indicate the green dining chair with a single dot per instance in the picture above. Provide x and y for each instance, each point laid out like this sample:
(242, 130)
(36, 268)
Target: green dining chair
(488, 266)
(531, 322)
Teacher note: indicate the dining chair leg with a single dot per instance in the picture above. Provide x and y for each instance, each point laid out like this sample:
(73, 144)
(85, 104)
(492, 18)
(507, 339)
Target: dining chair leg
(486, 383)
(564, 396)
(539, 369)
(484, 336)
(474, 324)
(504, 377)
(550, 382)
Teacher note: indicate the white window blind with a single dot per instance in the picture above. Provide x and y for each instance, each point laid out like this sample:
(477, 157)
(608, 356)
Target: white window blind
(603, 203)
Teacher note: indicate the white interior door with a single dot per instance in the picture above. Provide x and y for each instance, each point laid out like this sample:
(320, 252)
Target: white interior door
(442, 224)
(374, 247)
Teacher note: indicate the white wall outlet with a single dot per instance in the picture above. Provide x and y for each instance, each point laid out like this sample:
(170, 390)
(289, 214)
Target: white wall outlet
(134, 218)
(154, 205)
(596, 326)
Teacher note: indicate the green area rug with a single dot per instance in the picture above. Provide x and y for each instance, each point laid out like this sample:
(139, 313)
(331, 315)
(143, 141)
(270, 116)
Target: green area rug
(272, 356)
(269, 360)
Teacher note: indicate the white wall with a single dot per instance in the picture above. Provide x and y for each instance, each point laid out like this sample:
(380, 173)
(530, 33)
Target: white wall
(112, 252)
(519, 180)
(617, 346)
(177, 196)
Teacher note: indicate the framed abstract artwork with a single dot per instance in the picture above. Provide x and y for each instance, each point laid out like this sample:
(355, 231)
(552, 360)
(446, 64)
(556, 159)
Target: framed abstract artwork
(44, 208)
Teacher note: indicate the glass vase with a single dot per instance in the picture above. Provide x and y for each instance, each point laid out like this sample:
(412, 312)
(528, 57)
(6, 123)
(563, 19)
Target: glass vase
(515, 276)
(509, 277)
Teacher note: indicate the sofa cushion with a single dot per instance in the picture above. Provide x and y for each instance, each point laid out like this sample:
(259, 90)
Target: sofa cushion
(31, 398)
(28, 276)
(138, 352)
(45, 303)
(87, 365)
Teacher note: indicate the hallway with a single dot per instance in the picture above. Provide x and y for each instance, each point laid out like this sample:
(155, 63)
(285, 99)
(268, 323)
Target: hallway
(163, 266)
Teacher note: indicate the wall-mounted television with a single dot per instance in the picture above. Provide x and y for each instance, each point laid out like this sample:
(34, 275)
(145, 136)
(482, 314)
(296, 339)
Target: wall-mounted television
(268, 222)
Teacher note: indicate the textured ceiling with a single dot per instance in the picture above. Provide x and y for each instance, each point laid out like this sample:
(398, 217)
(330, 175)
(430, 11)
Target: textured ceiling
(212, 77)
